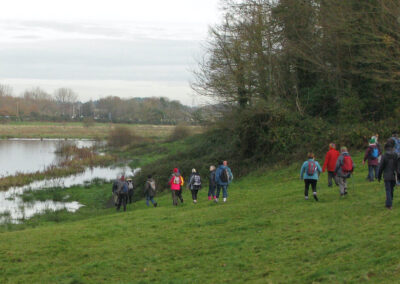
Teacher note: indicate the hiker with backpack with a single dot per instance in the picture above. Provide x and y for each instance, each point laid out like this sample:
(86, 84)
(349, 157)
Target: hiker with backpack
(389, 167)
(150, 191)
(212, 184)
(372, 155)
(130, 190)
(176, 182)
(223, 177)
(122, 191)
(310, 172)
(194, 184)
(330, 163)
(396, 141)
(114, 192)
(344, 168)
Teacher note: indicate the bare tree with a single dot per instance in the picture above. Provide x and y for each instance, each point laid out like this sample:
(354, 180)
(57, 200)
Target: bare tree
(5, 90)
(65, 97)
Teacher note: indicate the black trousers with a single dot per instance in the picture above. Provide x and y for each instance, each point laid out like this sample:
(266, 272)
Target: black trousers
(307, 183)
(130, 195)
(194, 193)
(122, 200)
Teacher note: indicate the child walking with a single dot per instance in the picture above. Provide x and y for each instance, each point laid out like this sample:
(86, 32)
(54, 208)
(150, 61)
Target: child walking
(310, 172)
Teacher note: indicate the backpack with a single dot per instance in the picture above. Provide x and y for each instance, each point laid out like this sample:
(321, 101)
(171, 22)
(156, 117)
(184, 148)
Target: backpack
(312, 167)
(124, 188)
(177, 180)
(347, 166)
(196, 180)
(224, 176)
(130, 185)
(152, 185)
(120, 186)
(396, 145)
(374, 153)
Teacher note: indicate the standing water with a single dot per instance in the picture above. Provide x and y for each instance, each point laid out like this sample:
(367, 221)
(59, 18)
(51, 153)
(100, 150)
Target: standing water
(31, 155)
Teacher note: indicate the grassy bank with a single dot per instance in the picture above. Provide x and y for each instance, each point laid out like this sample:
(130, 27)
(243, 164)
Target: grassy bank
(266, 233)
(79, 130)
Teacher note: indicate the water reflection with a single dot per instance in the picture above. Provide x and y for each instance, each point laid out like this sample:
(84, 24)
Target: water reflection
(14, 209)
(31, 155)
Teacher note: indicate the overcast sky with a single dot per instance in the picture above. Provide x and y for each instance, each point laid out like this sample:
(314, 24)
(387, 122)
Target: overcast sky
(104, 47)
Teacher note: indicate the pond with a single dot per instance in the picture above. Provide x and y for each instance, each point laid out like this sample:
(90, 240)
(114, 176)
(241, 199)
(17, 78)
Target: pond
(31, 155)
(13, 209)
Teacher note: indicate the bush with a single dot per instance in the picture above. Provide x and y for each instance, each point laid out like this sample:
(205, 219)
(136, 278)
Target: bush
(88, 122)
(123, 136)
(181, 131)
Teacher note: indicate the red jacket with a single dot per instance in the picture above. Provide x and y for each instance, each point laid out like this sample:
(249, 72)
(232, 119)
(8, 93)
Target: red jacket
(330, 160)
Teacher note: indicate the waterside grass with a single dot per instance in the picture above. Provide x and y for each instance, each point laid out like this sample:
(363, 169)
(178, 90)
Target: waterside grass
(265, 233)
(69, 167)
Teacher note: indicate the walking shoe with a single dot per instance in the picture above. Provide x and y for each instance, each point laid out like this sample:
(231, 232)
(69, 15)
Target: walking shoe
(315, 197)
(216, 200)
(306, 197)
(155, 204)
(194, 201)
(215, 197)
(209, 198)
(224, 199)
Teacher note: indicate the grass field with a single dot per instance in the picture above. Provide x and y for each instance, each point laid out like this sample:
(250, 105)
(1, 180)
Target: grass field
(265, 233)
(78, 130)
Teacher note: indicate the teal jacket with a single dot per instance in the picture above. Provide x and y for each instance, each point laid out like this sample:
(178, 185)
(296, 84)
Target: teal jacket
(304, 169)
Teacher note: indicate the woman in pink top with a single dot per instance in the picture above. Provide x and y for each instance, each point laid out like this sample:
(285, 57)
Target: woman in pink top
(175, 182)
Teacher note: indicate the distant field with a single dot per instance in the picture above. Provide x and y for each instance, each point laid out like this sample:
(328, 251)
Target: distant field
(79, 130)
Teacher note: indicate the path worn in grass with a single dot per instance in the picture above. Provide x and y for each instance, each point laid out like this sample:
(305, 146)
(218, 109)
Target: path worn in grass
(266, 233)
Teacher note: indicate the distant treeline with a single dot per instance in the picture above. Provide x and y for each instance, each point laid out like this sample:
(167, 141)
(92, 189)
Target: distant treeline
(37, 105)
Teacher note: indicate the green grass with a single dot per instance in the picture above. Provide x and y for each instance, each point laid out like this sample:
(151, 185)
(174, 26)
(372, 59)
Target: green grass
(265, 233)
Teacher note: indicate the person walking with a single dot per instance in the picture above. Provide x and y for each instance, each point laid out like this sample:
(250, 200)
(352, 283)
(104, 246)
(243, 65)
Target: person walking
(330, 163)
(343, 170)
(310, 172)
(194, 184)
(396, 148)
(212, 184)
(223, 177)
(176, 182)
(150, 191)
(372, 155)
(122, 191)
(389, 168)
(114, 191)
(130, 190)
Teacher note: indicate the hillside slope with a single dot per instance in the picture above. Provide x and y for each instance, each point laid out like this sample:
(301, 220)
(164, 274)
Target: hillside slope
(266, 232)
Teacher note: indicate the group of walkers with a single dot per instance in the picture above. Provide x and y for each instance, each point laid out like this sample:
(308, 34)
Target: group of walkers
(122, 191)
(219, 179)
(340, 167)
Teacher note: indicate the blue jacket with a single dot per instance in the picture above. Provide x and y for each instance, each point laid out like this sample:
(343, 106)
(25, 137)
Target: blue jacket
(304, 169)
(218, 174)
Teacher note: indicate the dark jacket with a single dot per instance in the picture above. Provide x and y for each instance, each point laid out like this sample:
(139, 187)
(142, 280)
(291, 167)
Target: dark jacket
(148, 189)
(338, 170)
(212, 181)
(218, 175)
(389, 165)
(372, 161)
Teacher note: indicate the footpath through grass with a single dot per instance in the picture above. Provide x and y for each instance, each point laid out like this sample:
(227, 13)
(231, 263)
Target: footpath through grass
(265, 233)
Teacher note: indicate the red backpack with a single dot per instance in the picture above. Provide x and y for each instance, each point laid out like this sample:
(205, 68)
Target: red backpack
(347, 166)
(312, 167)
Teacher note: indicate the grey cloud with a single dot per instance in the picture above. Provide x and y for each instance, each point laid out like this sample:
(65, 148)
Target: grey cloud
(99, 59)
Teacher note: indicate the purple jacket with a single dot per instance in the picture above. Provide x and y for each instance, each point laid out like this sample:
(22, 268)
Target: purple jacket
(367, 156)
